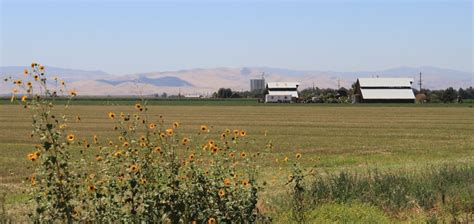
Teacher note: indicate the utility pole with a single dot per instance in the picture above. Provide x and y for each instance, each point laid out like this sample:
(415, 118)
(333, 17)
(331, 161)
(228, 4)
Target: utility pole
(338, 84)
(420, 82)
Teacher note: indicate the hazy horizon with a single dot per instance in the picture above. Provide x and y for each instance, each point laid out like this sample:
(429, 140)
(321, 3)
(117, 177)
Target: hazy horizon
(124, 37)
(239, 67)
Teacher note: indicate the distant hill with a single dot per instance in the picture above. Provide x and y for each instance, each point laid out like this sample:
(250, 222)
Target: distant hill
(69, 75)
(206, 81)
(168, 81)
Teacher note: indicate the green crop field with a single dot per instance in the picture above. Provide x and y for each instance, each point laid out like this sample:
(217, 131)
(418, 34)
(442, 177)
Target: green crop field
(332, 138)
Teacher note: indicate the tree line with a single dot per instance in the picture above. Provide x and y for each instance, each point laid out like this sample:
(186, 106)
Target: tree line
(344, 95)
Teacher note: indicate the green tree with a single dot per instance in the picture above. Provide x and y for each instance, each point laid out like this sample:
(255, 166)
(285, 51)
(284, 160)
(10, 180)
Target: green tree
(223, 93)
(449, 95)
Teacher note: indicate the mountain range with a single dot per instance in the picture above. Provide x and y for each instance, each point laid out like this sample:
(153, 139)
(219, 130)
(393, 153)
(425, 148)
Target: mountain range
(206, 81)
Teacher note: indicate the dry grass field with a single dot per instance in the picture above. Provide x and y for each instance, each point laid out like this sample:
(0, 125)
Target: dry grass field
(332, 138)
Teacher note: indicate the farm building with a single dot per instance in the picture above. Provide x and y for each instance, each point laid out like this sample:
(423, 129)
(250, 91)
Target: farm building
(279, 92)
(383, 90)
(257, 84)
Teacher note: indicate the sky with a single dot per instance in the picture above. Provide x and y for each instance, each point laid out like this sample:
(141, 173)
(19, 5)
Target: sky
(122, 37)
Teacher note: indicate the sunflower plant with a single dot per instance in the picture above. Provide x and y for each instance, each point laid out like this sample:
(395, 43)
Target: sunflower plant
(53, 182)
(151, 171)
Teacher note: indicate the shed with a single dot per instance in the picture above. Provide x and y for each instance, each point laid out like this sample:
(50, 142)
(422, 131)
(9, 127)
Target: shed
(384, 90)
(281, 92)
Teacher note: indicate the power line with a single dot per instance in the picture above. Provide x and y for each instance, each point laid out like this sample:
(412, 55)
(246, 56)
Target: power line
(419, 82)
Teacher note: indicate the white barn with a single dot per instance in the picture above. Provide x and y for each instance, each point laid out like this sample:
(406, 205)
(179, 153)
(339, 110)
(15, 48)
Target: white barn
(384, 90)
(281, 92)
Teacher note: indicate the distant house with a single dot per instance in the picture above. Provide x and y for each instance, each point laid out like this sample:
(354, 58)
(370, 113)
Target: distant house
(195, 96)
(383, 90)
(280, 92)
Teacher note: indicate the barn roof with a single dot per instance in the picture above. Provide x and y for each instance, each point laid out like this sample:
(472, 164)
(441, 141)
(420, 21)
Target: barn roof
(385, 82)
(387, 94)
(283, 85)
(283, 93)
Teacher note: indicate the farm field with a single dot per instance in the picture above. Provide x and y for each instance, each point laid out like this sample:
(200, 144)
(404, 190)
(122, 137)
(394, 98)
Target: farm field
(332, 138)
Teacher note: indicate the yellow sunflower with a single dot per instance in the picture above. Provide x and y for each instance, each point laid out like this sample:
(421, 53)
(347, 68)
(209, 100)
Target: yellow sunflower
(185, 141)
(169, 131)
(158, 149)
(204, 128)
(23, 98)
(176, 124)
(32, 157)
(211, 142)
(112, 115)
(138, 106)
(152, 126)
(70, 137)
(91, 188)
(243, 133)
(118, 154)
(298, 155)
(221, 193)
(134, 168)
(226, 181)
(245, 183)
(211, 221)
(214, 149)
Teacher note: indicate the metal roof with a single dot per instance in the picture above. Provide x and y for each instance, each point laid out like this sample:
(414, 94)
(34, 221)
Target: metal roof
(284, 85)
(387, 94)
(283, 93)
(385, 82)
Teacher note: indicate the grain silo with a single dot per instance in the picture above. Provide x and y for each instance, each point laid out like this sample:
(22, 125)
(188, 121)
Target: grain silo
(257, 84)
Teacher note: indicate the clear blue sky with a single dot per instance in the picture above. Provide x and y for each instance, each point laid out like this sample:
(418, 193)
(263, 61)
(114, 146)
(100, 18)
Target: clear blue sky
(122, 37)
